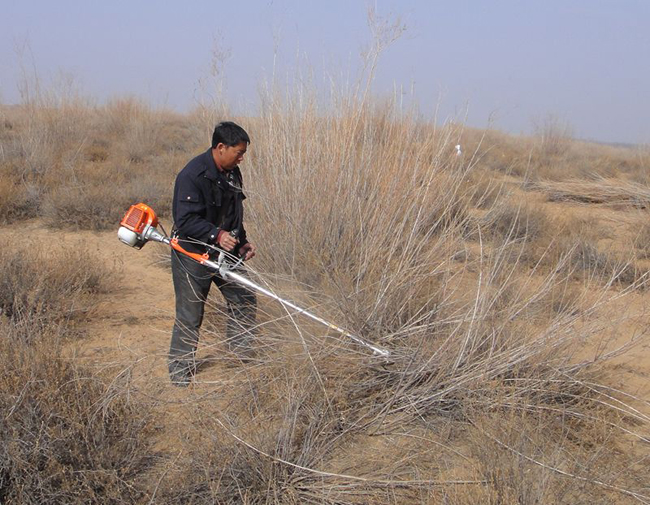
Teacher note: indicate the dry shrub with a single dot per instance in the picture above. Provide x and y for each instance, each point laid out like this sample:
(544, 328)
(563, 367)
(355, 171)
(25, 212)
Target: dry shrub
(640, 165)
(516, 222)
(88, 175)
(552, 155)
(55, 123)
(293, 430)
(138, 131)
(292, 433)
(585, 261)
(48, 286)
(97, 151)
(313, 421)
(96, 196)
(529, 455)
(554, 137)
(642, 239)
(67, 435)
(497, 152)
(486, 190)
(584, 161)
(574, 246)
(350, 220)
(101, 207)
(14, 201)
(177, 135)
(598, 191)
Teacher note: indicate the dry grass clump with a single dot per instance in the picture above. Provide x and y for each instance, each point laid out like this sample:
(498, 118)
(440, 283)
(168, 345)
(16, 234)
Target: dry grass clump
(516, 222)
(487, 190)
(585, 261)
(76, 164)
(642, 239)
(497, 152)
(15, 201)
(554, 136)
(600, 191)
(48, 286)
(584, 256)
(387, 204)
(136, 124)
(96, 196)
(67, 434)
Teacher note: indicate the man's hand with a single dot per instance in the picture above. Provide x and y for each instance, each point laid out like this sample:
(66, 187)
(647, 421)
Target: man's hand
(247, 251)
(226, 241)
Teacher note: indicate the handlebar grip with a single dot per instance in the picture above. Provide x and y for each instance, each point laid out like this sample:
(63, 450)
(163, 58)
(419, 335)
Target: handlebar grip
(235, 234)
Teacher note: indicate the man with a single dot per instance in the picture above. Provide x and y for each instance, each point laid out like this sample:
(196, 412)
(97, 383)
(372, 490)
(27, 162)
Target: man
(208, 209)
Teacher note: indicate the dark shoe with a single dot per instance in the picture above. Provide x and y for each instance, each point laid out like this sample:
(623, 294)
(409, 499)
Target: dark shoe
(180, 376)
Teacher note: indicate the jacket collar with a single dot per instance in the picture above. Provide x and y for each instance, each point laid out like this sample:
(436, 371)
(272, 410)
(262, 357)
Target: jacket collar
(211, 170)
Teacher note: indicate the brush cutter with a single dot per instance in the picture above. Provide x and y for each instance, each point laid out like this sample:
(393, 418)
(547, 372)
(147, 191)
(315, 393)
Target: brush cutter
(139, 226)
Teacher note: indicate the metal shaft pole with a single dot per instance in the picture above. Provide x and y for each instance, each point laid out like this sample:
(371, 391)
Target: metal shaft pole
(155, 235)
(246, 282)
(243, 280)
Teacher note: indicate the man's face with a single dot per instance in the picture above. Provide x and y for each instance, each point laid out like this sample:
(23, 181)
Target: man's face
(228, 157)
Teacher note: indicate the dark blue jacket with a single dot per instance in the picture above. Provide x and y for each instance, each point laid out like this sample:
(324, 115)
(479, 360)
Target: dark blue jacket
(207, 201)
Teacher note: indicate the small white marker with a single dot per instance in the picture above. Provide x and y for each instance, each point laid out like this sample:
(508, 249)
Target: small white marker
(458, 151)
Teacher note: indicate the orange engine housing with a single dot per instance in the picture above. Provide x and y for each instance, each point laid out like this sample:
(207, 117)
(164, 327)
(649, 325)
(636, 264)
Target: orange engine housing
(138, 217)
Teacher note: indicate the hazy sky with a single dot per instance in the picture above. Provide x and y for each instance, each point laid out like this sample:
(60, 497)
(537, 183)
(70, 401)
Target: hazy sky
(512, 62)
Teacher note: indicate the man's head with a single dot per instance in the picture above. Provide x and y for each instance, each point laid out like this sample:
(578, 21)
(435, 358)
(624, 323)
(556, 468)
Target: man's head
(229, 144)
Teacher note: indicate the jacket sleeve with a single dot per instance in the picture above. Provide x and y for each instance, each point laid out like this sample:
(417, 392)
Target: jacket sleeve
(190, 210)
(242, 233)
(242, 236)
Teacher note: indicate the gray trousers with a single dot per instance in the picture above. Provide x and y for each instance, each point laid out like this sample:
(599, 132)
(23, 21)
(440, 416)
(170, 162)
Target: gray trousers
(192, 282)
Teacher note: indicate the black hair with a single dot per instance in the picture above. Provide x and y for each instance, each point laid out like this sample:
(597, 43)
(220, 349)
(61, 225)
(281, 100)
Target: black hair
(229, 134)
